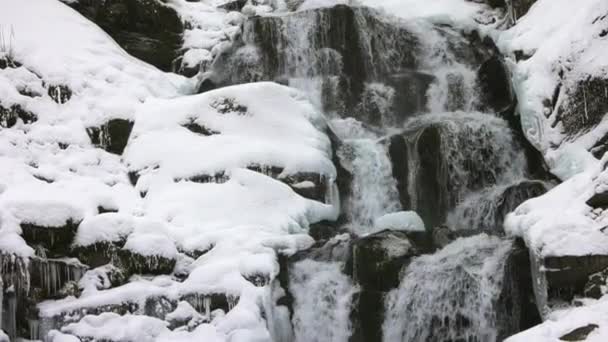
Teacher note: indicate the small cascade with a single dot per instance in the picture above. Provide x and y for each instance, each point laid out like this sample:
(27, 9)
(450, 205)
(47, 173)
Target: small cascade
(373, 189)
(323, 301)
(486, 210)
(450, 295)
(440, 159)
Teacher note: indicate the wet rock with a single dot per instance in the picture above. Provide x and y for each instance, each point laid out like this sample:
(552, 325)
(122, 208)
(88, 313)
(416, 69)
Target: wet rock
(494, 80)
(378, 258)
(442, 236)
(377, 261)
(111, 136)
(325, 230)
(147, 29)
(60, 93)
(516, 308)
(579, 334)
(56, 240)
(10, 115)
(341, 36)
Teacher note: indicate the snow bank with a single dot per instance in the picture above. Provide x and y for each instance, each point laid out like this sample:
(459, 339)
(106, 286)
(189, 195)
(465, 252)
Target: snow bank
(261, 124)
(113, 327)
(575, 231)
(562, 322)
(565, 44)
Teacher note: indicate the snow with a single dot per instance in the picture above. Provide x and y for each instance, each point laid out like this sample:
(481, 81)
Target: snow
(562, 322)
(260, 130)
(445, 11)
(402, 220)
(562, 37)
(150, 244)
(111, 326)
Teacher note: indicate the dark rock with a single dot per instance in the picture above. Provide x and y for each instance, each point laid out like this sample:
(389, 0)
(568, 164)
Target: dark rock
(234, 5)
(199, 129)
(206, 85)
(98, 254)
(228, 105)
(519, 8)
(579, 334)
(597, 285)
(60, 93)
(325, 230)
(443, 236)
(7, 61)
(581, 106)
(9, 116)
(377, 261)
(516, 307)
(56, 240)
(598, 200)
(147, 29)
(111, 136)
(135, 263)
(567, 275)
(495, 82)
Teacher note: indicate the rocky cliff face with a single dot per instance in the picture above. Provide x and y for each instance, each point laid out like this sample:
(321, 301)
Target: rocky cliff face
(302, 170)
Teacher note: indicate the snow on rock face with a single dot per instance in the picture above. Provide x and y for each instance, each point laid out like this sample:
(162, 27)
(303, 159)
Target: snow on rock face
(560, 76)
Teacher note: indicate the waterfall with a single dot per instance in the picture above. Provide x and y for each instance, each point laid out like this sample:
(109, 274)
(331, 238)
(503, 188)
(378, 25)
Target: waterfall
(449, 295)
(323, 299)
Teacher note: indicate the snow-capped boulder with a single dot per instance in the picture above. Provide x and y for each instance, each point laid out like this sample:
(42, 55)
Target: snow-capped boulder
(148, 254)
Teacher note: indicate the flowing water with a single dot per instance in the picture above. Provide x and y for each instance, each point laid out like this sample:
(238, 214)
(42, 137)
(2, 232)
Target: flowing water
(450, 295)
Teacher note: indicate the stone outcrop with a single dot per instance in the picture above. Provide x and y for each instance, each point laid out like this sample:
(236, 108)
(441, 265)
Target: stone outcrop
(112, 136)
(147, 29)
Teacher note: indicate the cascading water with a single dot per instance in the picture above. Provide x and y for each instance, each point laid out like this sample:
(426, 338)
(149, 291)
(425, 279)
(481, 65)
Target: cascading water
(323, 298)
(450, 295)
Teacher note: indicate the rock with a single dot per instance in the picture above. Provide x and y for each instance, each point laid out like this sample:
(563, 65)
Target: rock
(377, 261)
(494, 80)
(60, 93)
(234, 5)
(56, 240)
(199, 129)
(135, 263)
(516, 308)
(519, 8)
(581, 105)
(579, 334)
(598, 200)
(597, 285)
(10, 115)
(111, 136)
(147, 29)
(7, 61)
(561, 278)
(378, 258)
(98, 254)
(442, 236)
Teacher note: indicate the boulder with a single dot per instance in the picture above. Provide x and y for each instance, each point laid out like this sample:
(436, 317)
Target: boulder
(597, 285)
(112, 136)
(579, 334)
(56, 240)
(147, 29)
(10, 115)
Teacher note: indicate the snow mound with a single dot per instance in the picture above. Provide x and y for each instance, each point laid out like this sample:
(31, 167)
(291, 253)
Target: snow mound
(403, 220)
